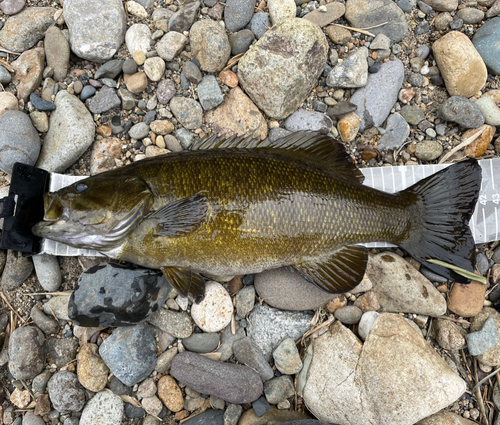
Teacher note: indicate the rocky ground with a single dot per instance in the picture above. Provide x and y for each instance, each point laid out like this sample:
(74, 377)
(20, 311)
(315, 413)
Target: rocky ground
(93, 85)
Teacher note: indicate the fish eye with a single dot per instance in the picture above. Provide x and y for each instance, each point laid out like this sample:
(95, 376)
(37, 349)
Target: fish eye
(80, 187)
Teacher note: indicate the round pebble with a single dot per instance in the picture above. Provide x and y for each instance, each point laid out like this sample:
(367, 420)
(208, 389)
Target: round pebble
(348, 315)
(214, 312)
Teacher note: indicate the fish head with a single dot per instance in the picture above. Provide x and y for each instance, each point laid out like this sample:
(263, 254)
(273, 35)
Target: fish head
(96, 213)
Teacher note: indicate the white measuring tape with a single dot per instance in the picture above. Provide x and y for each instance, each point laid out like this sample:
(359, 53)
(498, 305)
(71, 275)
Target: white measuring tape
(484, 223)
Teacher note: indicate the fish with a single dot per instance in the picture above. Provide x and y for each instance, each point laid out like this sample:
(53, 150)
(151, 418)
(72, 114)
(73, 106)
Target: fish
(237, 206)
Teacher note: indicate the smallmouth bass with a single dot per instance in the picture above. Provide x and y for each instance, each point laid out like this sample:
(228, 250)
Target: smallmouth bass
(231, 206)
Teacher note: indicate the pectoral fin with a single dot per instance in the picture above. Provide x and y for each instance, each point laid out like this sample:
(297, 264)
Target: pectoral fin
(340, 273)
(186, 282)
(180, 217)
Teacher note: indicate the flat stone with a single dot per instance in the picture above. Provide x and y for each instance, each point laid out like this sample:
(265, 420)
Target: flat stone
(469, 15)
(110, 69)
(61, 351)
(201, 343)
(187, 111)
(215, 311)
(249, 354)
(462, 111)
(57, 52)
(397, 131)
(468, 78)
(413, 114)
(322, 18)
(104, 100)
(104, 408)
(237, 14)
(352, 72)
(91, 369)
(209, 45)
(26, 352)
(175, 323)
(96, 27)
(65, 392)
(308, 120)
(183, 19)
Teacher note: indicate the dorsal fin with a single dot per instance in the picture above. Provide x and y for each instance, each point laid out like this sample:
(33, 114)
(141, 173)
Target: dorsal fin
(319, 150)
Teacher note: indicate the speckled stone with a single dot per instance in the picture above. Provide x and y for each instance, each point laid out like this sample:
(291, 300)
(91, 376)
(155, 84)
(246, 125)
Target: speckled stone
(214, 312)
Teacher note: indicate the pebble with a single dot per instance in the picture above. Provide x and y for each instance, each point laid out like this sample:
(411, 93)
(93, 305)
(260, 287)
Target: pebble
(246, 352)
(280, 10)
(133, 412)
(129, 66)
(39, 383)
(104, 408)
(449, 335)
(210, 45)
(245, 301)
(286, 357)
(380, 42)
(162, 127)
(216, 378)
(308, 120)
(87, 92)
(376, 99)
(138, 38)
(208, 417)
(348, 127)
(29, 67)
(259, 24)
(467, 79)
(91, 370)
(22, 31)
(470, 15)
(11, 7)
(446, 418)
(348, 315)
(489, 109)
(261, 406)
(241, 41)
(31, 419)
(338, 35)
(26, 352)
(462, 111)
(209, 93)
(170, 45)
(192, 72)
(187, 111)
(215, 311)
(428, 150)
(164, 360)
(482, 340)
(62, 351)
(152, 405)
(479, 146)
(466, 300)
(57, 52)
(183, 19)
(279, 389)
(130, 353)
(237, 14)
(412, 114)
(443, 5)
(47, 324)
(165, 91)
(294, 85)
(8, 102)
(64, 143)
(492, 356)
(486, 41)
(110, 69)
(154, 68)
(65, 392)
(57, 306)
(19, 142)
(20, 398)
(227, 341)
(170, 393)
(366, 323)
(201, 343)
(175, 323)
(397, 131)
(330, 13)
(352, 72)
(96, 28)
(139, 131)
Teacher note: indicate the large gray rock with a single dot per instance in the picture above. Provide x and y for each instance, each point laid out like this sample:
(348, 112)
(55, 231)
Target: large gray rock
(238, 13)
(289, 58)
(346, 382)
(487, 42)
(19, 140)
(21, 32)
(210, 45)
(65, 392)
(96, 27)
(70, 134)
(376, 99)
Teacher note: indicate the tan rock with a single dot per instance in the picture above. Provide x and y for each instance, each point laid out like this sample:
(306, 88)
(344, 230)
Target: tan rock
(405, 95)
(162, 127)
(103, 155)
(281, 9)
(330, 13)
(478, 147)
(139, 57)
(136, 83)
(152, 405)
(338, 35)
(229, 78)
(492, 356)
(445, 418)
(104, 130)
(467, 300)
(170, 393)
(237, 115)
(442, 21)
(449, 335)
(136, 9)
(273, 416)
(29, 68)
(338, 302)
(91, 370)
(20, 398)
(348, 127)
(367, 302)
(461, 66)
(42, 405)
(8, 102)
(153, 150)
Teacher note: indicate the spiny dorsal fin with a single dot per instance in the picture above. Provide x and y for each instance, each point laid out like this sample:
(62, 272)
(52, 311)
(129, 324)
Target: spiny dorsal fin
(340, 273)
(318, 150)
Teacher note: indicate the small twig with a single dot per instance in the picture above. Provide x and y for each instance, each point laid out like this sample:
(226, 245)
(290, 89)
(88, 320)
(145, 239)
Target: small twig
(465, 143)
(356, 30)
(477, 392)
(66, 293)
(465, 322)
(10, 306)
(233, 61)
(7, 65)
(482, 381)
(8, 51)
(317, 328)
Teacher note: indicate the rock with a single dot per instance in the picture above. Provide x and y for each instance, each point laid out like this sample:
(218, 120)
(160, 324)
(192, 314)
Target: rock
(214, 312)
(171, 44)
(309, 51)
(164, 360)
(70, 134)
(201, 343)
(443, 5)
(8, 102)
(187, 111)
(428, 150)
(29, 67)
(22, 31)
(380, 42)
(489, 109)
(237, 14)
(280, 10)
(65, 392)
(366, 323)
(130, 353)
(92, 372)
(11, 7)
(481, 341)
(138, 38)
(240, 41)
(397, 131)
(227, 341)
(467, 300)
(492, 356)
(136, 83)
(154, 68)
(176, 324)
(26, 352)
(104, 408)
(47, 324)
(61, 351)
(249, 354)
(96, 27)
(208, 417)
(449, 335)
(468, 78)
(287, 358)
(479, 146)
(412, 114)
(470, 15)
(216, 378)
(165, 91)
(31, 419)
(111, 69)
(170, 393)
(209, 93)
(352, 72)
(40, 103)
(345, 379)
(57, 52)
(462, 111)
(338, 35)
(209, 45)
(87, 93)
(348, 315)
(162, 127)
(274, 416)
(308, 120)
(245, 301)
(268, 327)
(322, 18)
(136, 9)
(104, 100)
(348, 127)
(279, 389)
(48, 271)
(183, 19)
(366, 13)
(20, 398)
(19, 142)
(40, 121)
(445, 418)
(376, 99)
(486, 40)
(139, 131)
(402, 289)
(57, 306)
(259, 24)
(104, 153)
(39, 382)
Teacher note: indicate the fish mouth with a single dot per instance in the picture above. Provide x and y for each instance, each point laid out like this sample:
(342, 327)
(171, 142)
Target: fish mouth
(55, 218)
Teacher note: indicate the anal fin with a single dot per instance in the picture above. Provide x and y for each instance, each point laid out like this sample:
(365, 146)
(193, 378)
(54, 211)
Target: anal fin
(340, 273)
(186, 282)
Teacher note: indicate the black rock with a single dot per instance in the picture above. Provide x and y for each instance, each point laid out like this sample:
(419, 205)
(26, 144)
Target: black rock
(118, 387)
(192, 72)
(110, 69)
(374, 68)
(111, 294)
(87, 92)
(208, 417)
(129, 66)
(41, 104)
(134, 412)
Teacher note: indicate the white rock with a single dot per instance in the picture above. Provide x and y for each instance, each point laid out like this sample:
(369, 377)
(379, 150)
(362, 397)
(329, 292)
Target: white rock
(489, 109)
(48, 271)
(402, 289)
(171, 44)
(104, 408)
(138, 37)
(380, 42)
(366, 323)
(215, 311)
(352, 72)
(281, 9)
(154, 68)
(57, 306)
(8, 102)
(136, 9)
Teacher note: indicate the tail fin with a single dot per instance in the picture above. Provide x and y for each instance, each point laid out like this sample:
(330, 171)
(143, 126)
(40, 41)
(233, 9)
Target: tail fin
(445, 201)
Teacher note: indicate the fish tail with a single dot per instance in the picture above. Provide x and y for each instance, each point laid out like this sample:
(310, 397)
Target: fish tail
(444, 203)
